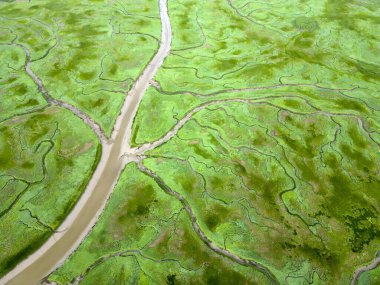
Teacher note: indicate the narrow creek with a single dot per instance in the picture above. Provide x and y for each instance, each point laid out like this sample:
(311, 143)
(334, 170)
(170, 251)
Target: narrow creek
(373, 265)
(86, 212)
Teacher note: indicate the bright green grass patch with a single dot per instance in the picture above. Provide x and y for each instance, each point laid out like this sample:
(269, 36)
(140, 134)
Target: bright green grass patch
(276, 183)
(87, 53)
(46, 160)
(19, 93)
(286, 45)
(139, 240)
(153, 107)
(290, 177)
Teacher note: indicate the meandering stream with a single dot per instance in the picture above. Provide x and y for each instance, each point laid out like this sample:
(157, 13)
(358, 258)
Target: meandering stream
(375, 263)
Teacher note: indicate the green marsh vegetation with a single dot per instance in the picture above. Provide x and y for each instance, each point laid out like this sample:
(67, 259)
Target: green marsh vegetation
(87, 54)
(279, 166)
(46, 159)
(144, 236)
